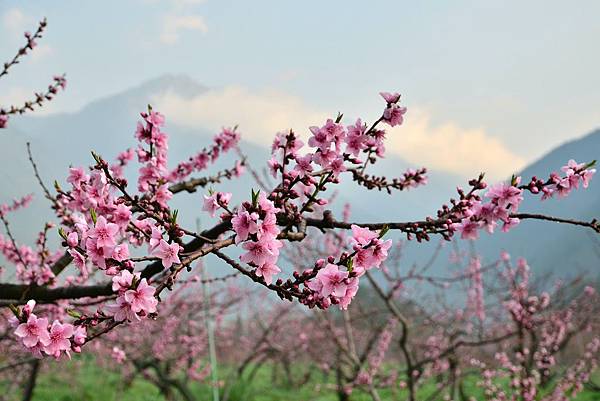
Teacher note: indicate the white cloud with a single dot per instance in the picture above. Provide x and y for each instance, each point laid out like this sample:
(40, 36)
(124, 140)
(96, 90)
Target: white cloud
(14, 96)
(450, 147)
(183, 3)
(173, 25)
(447, 147)
(40, 52)
(260, 115)
(16, 22)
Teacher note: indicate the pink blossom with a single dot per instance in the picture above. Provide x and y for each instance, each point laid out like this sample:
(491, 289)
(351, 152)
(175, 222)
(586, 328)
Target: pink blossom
(79, 261)
(118, 354)
(504, 195)
(122, 215)
(475, 293)
(394, 115)
(142, 298)
(121, 310)
(572, 167)
(259, 252)
(335, 131)
(586, 176)
(330, 281)
(265, 204)
(273, 166)
(268, 227)
(28, 308)
(59, 338)
(379, 252)
(349, 294)
(267, 271)
(214, 201)
(79, 335)
(155, 118)
(320, 139)
(303, 165)
(510, 224)
(390, 97)
(324, 158)
(337, 166)
(96, 253)
(76, 176)
(362, 236)
(238, 169)
(104, 232)
(468, 229)
(356, 139)
(72, 239)
(163, 195)
(120, 252)
(122, 282)
(33, 331)
(3, 120)
(168, 253)
(244, 224)
(155, 238)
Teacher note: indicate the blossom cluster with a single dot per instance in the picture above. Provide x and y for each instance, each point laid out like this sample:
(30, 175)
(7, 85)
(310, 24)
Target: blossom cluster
(17, 204)
(33, 266)
(255, 224)
(135, 297)
(59, 82)
(37, 336)
(333, 285)
(502, 200)
(227, 139)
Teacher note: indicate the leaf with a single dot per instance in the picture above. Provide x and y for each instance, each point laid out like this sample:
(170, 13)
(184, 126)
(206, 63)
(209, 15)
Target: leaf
(350, 264)
(513, 180)
(74, 313)
(384, 231)
(255, 197)
(14, 310)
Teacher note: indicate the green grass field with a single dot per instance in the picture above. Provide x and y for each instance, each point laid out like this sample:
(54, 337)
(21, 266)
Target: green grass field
(89, 382)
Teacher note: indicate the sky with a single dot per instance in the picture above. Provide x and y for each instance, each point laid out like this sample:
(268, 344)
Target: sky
(489, 85)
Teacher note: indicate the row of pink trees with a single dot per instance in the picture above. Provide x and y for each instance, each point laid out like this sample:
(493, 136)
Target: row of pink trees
(131, 253)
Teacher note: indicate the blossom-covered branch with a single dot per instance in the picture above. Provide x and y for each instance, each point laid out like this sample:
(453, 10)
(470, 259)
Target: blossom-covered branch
(103, 221)
(58, 82)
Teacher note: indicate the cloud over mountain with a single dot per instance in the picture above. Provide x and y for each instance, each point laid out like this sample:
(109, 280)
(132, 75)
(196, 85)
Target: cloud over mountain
(260, 114)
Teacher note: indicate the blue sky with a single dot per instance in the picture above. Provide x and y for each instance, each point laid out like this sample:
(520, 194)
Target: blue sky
(490, 84)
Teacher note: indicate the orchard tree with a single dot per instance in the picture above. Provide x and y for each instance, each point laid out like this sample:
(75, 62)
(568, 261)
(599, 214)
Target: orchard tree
(413, 336)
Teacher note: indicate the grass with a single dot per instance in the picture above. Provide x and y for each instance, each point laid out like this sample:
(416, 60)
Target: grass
(86, 381)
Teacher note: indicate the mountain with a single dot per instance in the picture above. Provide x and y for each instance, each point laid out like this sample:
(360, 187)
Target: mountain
(107, 126)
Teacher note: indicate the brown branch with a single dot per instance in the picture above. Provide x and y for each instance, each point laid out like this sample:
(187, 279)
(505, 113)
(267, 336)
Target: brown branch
(192, 184)
(594, 225)
(37, 175)
(23, 50)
